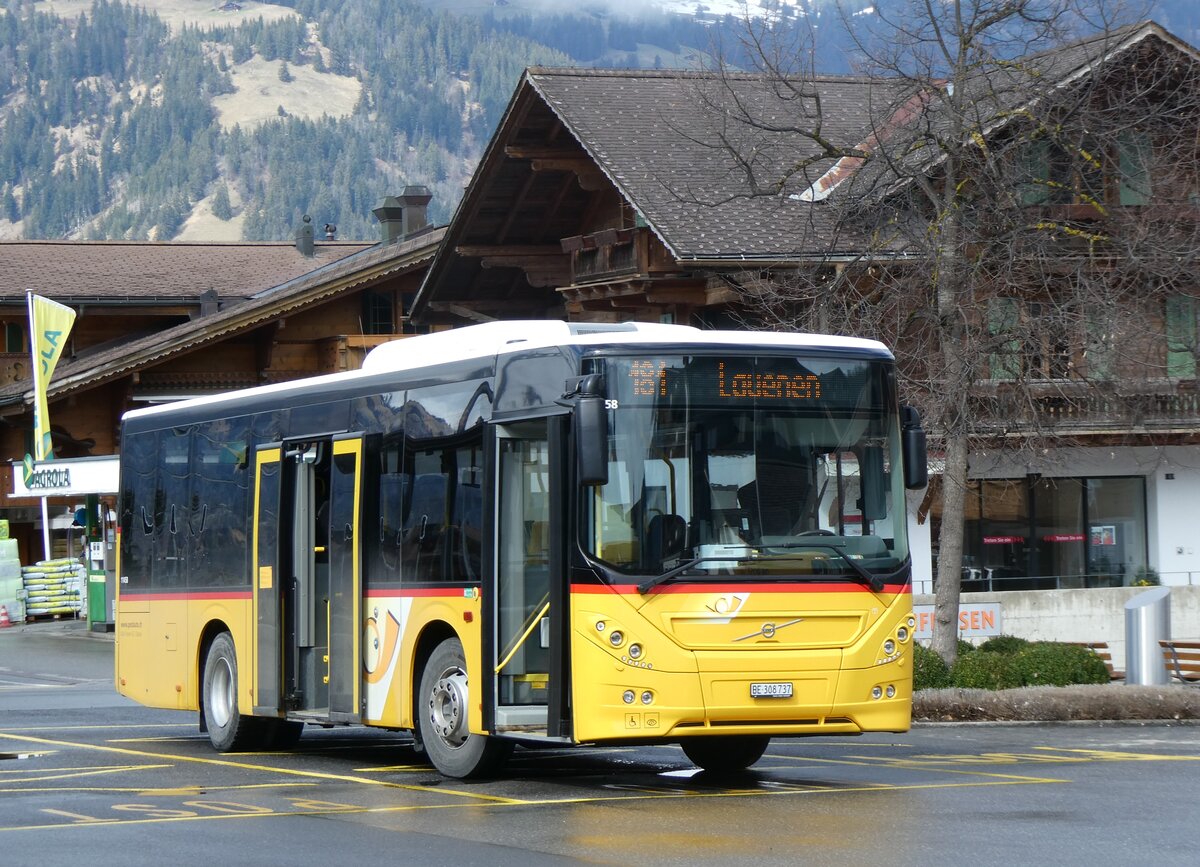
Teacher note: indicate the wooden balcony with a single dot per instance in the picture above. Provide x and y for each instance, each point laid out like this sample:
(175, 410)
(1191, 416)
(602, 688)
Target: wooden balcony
(1070, 407)
(617, 255)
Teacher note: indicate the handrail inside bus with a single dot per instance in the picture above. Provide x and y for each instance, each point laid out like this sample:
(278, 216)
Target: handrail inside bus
(534, 621)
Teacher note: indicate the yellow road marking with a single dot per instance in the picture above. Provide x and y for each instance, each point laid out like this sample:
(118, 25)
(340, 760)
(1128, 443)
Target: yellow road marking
(154, 793)
(499, 803)
(49, 773)
(1116, 756)
(98, 728)
(253, 767)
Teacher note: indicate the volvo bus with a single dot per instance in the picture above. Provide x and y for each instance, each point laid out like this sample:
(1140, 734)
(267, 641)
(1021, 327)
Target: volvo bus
(531, 533)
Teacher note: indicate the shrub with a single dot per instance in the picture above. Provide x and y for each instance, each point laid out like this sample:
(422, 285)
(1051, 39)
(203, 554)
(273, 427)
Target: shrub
(1051, 664)
(1146, 577)
(983, 669)
(1004, 644)
(929, 669)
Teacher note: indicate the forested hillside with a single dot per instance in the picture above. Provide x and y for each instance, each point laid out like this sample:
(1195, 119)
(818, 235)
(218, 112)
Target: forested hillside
(116, 125)
(209, 120)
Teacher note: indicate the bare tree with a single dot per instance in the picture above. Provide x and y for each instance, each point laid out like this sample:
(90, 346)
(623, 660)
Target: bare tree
(1016, 220)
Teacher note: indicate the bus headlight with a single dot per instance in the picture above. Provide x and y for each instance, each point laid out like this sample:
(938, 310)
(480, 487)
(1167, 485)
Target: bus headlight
(877, 692)
(628, 696)
(635, 651)
(647, 697)
(902, 634)
(889, 647)
(616, 637)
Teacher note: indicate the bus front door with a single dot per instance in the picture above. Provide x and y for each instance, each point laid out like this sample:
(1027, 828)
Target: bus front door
(529, 602)
(307, 624)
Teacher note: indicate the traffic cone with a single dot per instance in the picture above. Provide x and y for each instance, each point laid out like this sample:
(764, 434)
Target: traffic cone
(5, 621)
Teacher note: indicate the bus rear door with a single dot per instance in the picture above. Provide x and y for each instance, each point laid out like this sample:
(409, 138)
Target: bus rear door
(309, 586)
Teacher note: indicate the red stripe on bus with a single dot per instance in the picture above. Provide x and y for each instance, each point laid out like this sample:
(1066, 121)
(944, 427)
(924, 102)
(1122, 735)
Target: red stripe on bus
(187, 595)
(447, 592)
(841, 587)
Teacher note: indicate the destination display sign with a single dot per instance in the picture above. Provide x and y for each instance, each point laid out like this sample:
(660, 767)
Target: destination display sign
(731, 380)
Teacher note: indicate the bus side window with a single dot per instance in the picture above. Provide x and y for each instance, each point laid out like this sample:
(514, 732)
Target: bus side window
(423, 524)
(139, 466)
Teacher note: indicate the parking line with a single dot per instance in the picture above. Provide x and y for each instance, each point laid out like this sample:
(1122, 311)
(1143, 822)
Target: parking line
(253, 767)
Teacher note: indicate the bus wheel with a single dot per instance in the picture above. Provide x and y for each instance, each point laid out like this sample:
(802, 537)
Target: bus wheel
(228, 730)
(442, 718)
(724, 755)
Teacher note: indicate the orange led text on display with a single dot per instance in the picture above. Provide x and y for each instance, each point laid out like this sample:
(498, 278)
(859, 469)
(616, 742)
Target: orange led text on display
(767, 386)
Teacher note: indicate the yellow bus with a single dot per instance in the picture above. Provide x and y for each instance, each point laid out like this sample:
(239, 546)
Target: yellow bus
(531, 533)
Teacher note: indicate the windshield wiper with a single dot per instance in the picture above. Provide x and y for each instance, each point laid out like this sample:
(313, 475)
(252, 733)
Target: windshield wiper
(650, 583)
(875, 581)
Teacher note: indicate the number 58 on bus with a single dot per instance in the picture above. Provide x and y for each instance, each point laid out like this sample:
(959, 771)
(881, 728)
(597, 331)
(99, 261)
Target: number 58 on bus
(531, 533)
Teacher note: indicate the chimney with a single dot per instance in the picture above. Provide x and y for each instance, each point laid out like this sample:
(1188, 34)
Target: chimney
(304, 237)
(401, 217)
(209, 302)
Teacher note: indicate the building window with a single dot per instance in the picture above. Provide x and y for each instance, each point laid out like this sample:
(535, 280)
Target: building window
(14, 337)
(1041, 533)
(1133, 164)
(377, 317)
(1004, 315)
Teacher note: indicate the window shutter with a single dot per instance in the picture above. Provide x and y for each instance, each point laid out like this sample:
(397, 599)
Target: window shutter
(1003, 318)
(1134, 155)
(1181, 337)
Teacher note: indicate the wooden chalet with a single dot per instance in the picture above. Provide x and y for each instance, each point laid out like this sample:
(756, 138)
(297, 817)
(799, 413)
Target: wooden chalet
(612, 195)
(159, 322)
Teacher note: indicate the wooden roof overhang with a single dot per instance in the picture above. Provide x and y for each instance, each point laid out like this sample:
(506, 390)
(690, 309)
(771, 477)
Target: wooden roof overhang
(513, 249)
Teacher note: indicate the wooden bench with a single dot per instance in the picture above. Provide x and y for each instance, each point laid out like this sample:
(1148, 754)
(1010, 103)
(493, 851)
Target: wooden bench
(1182, 659)
(1100, 648)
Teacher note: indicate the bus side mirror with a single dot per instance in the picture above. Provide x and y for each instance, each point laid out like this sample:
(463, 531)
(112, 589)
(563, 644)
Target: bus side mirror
(591, 432)
(912, 445)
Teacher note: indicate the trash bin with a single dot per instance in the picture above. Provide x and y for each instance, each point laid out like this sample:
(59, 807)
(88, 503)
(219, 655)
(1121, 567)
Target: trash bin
(1147, 619)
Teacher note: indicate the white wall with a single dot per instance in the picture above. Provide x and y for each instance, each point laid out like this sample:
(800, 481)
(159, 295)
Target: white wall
(1083, 615)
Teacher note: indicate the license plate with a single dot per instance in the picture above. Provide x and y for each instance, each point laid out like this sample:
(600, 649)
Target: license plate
(771, 690)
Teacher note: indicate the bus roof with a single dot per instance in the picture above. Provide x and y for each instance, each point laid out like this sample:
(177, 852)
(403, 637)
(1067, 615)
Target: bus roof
(496, 338)
(492, 339)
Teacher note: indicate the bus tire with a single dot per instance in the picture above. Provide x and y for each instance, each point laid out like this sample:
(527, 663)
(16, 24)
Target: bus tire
(442, 705)
(228, 730)
(725, 754)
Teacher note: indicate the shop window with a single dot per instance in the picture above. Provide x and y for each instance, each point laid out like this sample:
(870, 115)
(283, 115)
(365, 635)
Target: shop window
(1039, 533)
(1116, 543)
(1058, 529)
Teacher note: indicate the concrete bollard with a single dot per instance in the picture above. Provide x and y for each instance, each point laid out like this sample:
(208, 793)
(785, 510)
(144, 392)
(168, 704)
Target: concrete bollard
(1147, 619)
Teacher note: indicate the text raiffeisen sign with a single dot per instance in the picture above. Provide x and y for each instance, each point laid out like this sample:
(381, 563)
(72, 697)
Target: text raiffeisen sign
(975, 620)
(66, 478)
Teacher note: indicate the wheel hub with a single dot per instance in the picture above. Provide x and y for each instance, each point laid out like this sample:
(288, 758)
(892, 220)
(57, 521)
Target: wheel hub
(448, 708)
(221, 700)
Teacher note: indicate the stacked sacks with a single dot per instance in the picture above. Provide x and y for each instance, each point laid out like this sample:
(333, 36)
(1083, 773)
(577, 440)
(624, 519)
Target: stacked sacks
(10, 580)
(54, 587)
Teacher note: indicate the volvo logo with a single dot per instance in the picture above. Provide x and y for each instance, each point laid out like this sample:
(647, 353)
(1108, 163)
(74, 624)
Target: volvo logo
(768, 630)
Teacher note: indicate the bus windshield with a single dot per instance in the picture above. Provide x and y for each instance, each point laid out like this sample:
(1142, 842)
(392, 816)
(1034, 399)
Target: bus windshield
(776, 466)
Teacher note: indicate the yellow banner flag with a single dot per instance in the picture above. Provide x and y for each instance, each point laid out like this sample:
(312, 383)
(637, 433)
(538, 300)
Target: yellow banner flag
(49, 325)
